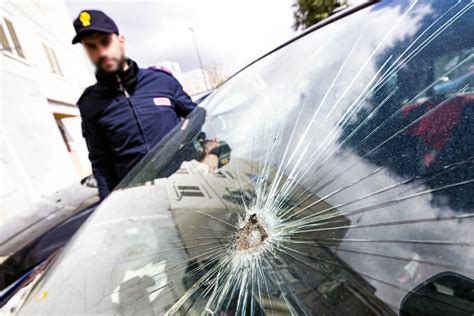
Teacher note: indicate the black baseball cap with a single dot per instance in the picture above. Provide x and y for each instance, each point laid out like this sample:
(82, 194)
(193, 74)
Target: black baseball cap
(90, 21)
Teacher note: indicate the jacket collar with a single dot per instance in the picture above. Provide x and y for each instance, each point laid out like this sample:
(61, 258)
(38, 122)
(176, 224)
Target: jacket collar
(127, 77)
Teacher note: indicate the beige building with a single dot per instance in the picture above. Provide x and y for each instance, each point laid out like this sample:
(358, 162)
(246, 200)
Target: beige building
(42, 76)
(198, 81)
(195, 81)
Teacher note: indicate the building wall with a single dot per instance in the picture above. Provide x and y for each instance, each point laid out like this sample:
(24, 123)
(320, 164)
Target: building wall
(34, 159)
(197, 81)
(194, 82)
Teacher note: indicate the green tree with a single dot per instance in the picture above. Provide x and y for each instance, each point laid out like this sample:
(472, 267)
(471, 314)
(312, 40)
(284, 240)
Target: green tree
(309, 12)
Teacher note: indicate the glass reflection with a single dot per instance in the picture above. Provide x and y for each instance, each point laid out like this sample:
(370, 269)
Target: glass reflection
(334, 175)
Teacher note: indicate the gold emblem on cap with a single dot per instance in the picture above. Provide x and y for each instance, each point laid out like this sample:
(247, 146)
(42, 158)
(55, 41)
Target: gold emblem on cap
(85, 18)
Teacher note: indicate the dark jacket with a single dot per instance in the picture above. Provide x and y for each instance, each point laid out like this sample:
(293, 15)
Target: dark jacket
(125, 115)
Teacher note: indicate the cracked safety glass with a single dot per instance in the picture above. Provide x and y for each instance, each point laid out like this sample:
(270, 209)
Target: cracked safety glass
(333, 176)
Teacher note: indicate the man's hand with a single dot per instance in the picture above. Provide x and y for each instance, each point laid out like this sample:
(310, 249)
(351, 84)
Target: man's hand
(212, 161)
(210, 145)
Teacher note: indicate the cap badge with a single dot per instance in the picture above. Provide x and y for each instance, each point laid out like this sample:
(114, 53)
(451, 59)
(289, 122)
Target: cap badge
(85, 18)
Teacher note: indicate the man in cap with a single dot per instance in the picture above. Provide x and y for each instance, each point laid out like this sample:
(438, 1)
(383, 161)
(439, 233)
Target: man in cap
(129, 109)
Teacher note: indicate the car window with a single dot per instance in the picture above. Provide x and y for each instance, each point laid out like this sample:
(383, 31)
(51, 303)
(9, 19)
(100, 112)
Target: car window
(334, 176)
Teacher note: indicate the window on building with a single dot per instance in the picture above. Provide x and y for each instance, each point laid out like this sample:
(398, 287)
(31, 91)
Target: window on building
(66, 137)
(53, 61)
(9, 41)
(4, 40)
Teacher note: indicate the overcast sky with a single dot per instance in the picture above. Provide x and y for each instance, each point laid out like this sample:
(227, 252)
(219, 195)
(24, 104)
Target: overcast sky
(229, 33)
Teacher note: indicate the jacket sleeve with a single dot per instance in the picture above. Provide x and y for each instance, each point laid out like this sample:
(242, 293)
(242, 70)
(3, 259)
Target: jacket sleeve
(101, 158)
(183, 101)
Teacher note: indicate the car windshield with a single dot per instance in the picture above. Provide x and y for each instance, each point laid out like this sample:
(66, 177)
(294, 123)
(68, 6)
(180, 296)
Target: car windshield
(335, 175)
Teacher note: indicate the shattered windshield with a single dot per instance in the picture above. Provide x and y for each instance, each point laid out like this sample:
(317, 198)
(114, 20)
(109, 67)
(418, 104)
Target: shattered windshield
(335, 175)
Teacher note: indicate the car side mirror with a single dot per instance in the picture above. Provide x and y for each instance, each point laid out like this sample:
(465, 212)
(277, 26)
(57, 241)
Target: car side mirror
(447, 293)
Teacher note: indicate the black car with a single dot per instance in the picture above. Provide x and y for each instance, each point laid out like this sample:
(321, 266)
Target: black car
(344, 184)
(28, 240)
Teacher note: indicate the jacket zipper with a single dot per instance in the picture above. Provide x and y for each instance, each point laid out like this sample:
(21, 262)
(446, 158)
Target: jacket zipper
(135, 114)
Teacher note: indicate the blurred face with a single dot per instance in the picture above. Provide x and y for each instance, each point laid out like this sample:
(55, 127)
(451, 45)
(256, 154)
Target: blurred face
(106, 51)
